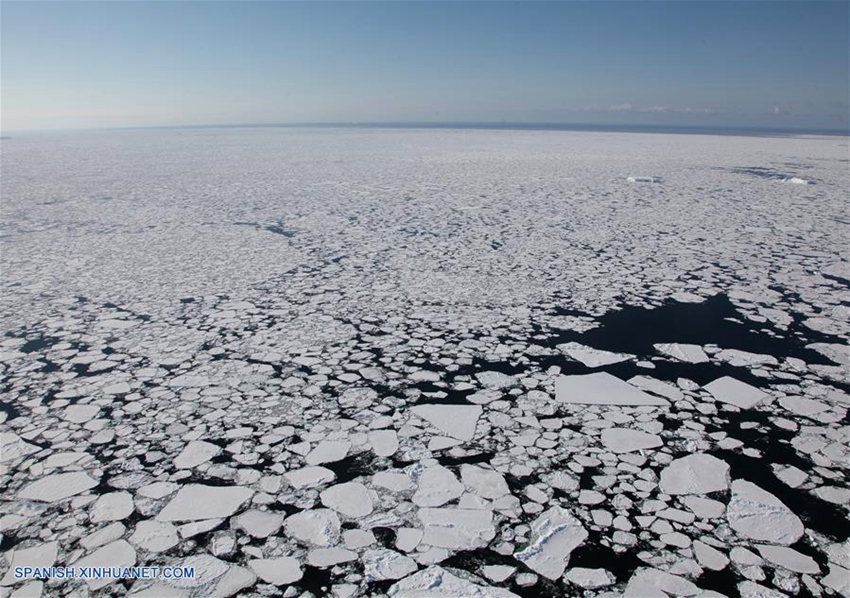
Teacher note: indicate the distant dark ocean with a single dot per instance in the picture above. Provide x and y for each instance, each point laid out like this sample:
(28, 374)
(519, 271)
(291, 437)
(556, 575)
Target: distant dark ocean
(508, 126)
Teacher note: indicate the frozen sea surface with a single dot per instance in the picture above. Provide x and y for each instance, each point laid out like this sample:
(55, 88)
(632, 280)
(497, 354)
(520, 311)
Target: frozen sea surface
(426, 362)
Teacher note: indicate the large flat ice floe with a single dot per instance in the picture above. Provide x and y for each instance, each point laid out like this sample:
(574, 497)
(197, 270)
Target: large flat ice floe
(601, 389)
(58, 486)
(625, 440)
(195, 502)
(695, 474)
(458, 421)
(757, 514)
(734, 392)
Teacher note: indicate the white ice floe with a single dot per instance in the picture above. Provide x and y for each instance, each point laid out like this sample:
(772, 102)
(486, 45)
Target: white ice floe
(757, 514)
(589, 579)
(112, 506)
(834, 494)
(592, 358)
(790, 475)
(195, 502)
(788, 558)
(695, 474)
(734, 392)
(394, 481)
(485, 482)
(328, 557)
(309, 477)
(751, 589)
(740, 358)
(384, 442)
(436, 582)
(328, 451)
(646, 582)
(496, 380)
(836, 352)
(116, 554)
(626, 440)
(233, 581)
(497, 573)
(358, 538)
(457, 529)
(258, 524)
(803, 406)
(317, 527)
(279, 571)
(683, 352)
(80, 414)
(655, 386)
(195, 453)
(40, 555)
(13, 446)
(154, 536)
(838, 579)
(458, 421)
(351, 499)
(58, 486)
(601, 388)
(408, 538)
(380, 564)
(104, 535)
(709, 557)
(554, 535)
(437, 486)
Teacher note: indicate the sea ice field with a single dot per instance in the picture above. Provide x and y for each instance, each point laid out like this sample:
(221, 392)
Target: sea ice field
(416, 363)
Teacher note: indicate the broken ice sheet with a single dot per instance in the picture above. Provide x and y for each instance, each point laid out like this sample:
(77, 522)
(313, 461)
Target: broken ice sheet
(382, 392)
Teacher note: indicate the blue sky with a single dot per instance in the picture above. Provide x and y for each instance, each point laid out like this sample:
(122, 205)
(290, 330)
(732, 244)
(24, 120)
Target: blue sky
(712, 63)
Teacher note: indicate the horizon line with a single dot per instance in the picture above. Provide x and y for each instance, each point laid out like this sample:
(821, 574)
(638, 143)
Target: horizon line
(726, 130)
